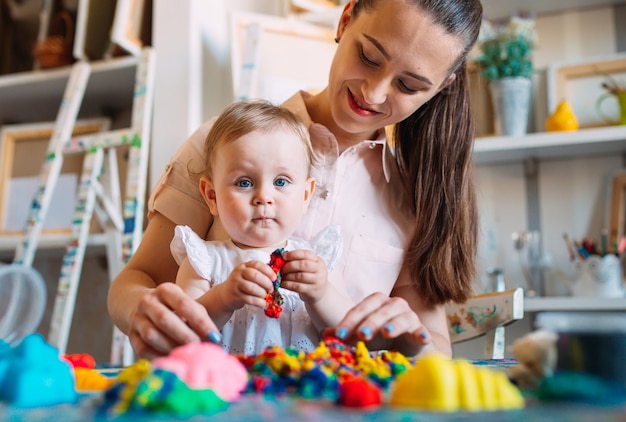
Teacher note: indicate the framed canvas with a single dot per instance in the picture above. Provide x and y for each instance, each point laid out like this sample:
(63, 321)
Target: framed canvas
(131, 29)
(22, 152)
(580, 83)
(94, 20)
(273, 57)
(617, 211)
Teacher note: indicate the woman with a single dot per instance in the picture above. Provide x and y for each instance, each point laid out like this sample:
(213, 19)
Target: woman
(404, 201)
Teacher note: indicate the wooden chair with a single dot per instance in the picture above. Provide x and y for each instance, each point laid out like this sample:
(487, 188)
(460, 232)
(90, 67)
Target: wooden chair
(486, 315)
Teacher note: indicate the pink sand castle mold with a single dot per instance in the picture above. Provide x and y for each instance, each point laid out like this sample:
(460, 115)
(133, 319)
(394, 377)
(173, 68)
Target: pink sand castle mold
(206, 366)
(197, 378)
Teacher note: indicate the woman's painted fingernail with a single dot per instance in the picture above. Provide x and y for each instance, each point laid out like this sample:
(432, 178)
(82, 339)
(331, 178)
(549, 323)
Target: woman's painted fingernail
(365, 331)
(389, 328)
(215, 337)
(341, 332)
(424, 335)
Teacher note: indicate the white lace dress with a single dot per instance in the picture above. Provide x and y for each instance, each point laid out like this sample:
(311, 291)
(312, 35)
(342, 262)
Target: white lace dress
(249, 330)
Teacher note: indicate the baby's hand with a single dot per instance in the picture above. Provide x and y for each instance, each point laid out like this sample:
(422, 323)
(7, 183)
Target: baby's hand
(306, 274)
(248, 284)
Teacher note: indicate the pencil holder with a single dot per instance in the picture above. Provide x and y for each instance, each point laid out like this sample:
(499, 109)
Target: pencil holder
(598, 276)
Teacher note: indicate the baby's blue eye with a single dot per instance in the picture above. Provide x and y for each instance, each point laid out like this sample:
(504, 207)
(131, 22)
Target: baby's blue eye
(281, 183)
(244, 183)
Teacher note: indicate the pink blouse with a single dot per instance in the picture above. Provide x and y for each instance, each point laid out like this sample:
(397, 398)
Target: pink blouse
(354, 189)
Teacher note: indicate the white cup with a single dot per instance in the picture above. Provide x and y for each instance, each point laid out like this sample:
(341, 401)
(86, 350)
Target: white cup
(22, 302)
(598, 276)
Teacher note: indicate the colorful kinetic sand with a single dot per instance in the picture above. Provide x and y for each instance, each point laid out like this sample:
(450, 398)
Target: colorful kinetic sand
(198, 378)
(206, 366)
(439, 383)
(33, 375)
(202, 379)
(350, 377)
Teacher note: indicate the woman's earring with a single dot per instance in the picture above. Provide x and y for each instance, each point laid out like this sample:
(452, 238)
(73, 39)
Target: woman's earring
(336, 40)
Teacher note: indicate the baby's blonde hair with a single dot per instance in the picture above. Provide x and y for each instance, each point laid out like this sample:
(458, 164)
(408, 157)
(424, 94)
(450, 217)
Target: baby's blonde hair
(246, 116)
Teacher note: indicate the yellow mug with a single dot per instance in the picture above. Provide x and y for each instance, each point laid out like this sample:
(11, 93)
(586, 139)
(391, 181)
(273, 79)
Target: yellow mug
(621, 102)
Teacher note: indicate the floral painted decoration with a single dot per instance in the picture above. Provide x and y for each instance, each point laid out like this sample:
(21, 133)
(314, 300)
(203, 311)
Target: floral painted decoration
(275, 299)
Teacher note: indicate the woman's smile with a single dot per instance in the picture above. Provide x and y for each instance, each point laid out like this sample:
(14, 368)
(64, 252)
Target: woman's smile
(358, 105)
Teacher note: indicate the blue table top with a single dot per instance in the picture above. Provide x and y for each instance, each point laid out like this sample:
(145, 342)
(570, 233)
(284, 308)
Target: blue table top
(258, 408)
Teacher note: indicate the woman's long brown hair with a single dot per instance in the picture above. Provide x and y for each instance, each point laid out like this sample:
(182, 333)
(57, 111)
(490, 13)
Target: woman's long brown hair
(434, 156)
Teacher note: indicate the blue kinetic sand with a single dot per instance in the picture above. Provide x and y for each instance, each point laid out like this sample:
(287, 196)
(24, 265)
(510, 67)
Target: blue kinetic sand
(33, 375)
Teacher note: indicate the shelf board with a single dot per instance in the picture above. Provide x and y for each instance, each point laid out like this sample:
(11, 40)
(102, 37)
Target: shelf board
(538, 304)
(110, 87)
(583, 142)
(494, 9)
(8, 243)
(498, 9)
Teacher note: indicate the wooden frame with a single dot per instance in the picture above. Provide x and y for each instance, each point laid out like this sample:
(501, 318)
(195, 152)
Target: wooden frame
(94, 21)
(22, 153)
(129, 30)
(617, 219)
(482, 106)
(271, 57)
(588, 76)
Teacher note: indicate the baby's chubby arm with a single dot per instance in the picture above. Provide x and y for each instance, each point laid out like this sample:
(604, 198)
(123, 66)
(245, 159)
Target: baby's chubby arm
(247, 284)
(306, 274)
(189, 280)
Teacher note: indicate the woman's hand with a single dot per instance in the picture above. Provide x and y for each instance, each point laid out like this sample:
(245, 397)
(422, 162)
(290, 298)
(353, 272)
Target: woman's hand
(165, 318)
(306, 274)
(247, 284)
(383, 322)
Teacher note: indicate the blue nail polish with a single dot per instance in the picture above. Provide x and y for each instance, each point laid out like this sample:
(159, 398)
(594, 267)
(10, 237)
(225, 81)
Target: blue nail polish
(341, 332)
(424, 335)
(389, 328)
(215, 337)
(366, 331)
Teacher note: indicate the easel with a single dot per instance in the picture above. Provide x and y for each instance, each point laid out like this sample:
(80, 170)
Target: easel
(123, 222)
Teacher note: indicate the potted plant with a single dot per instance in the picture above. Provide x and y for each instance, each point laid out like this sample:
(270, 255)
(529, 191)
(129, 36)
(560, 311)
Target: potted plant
(505, 60)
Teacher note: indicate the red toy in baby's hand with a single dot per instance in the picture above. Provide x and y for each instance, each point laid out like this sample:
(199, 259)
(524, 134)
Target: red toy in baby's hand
(275, 299)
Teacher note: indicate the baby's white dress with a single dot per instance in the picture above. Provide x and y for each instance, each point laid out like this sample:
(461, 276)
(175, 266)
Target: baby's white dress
(249, 330)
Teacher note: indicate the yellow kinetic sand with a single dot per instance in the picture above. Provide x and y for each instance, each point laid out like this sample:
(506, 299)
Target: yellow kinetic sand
(438, 383)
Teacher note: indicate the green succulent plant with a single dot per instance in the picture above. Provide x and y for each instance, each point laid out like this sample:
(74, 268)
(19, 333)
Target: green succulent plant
(506, 50)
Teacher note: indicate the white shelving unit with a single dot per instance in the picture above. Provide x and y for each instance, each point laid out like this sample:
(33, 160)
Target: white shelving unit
(583, 142)
(56, 240)
(35, 96)
(51, 243)
(539, 304)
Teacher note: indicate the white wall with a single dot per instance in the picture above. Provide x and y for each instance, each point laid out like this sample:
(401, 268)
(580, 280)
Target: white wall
(193, 79)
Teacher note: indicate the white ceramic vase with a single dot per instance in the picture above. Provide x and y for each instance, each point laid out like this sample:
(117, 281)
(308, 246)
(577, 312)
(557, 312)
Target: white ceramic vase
(511, 103)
